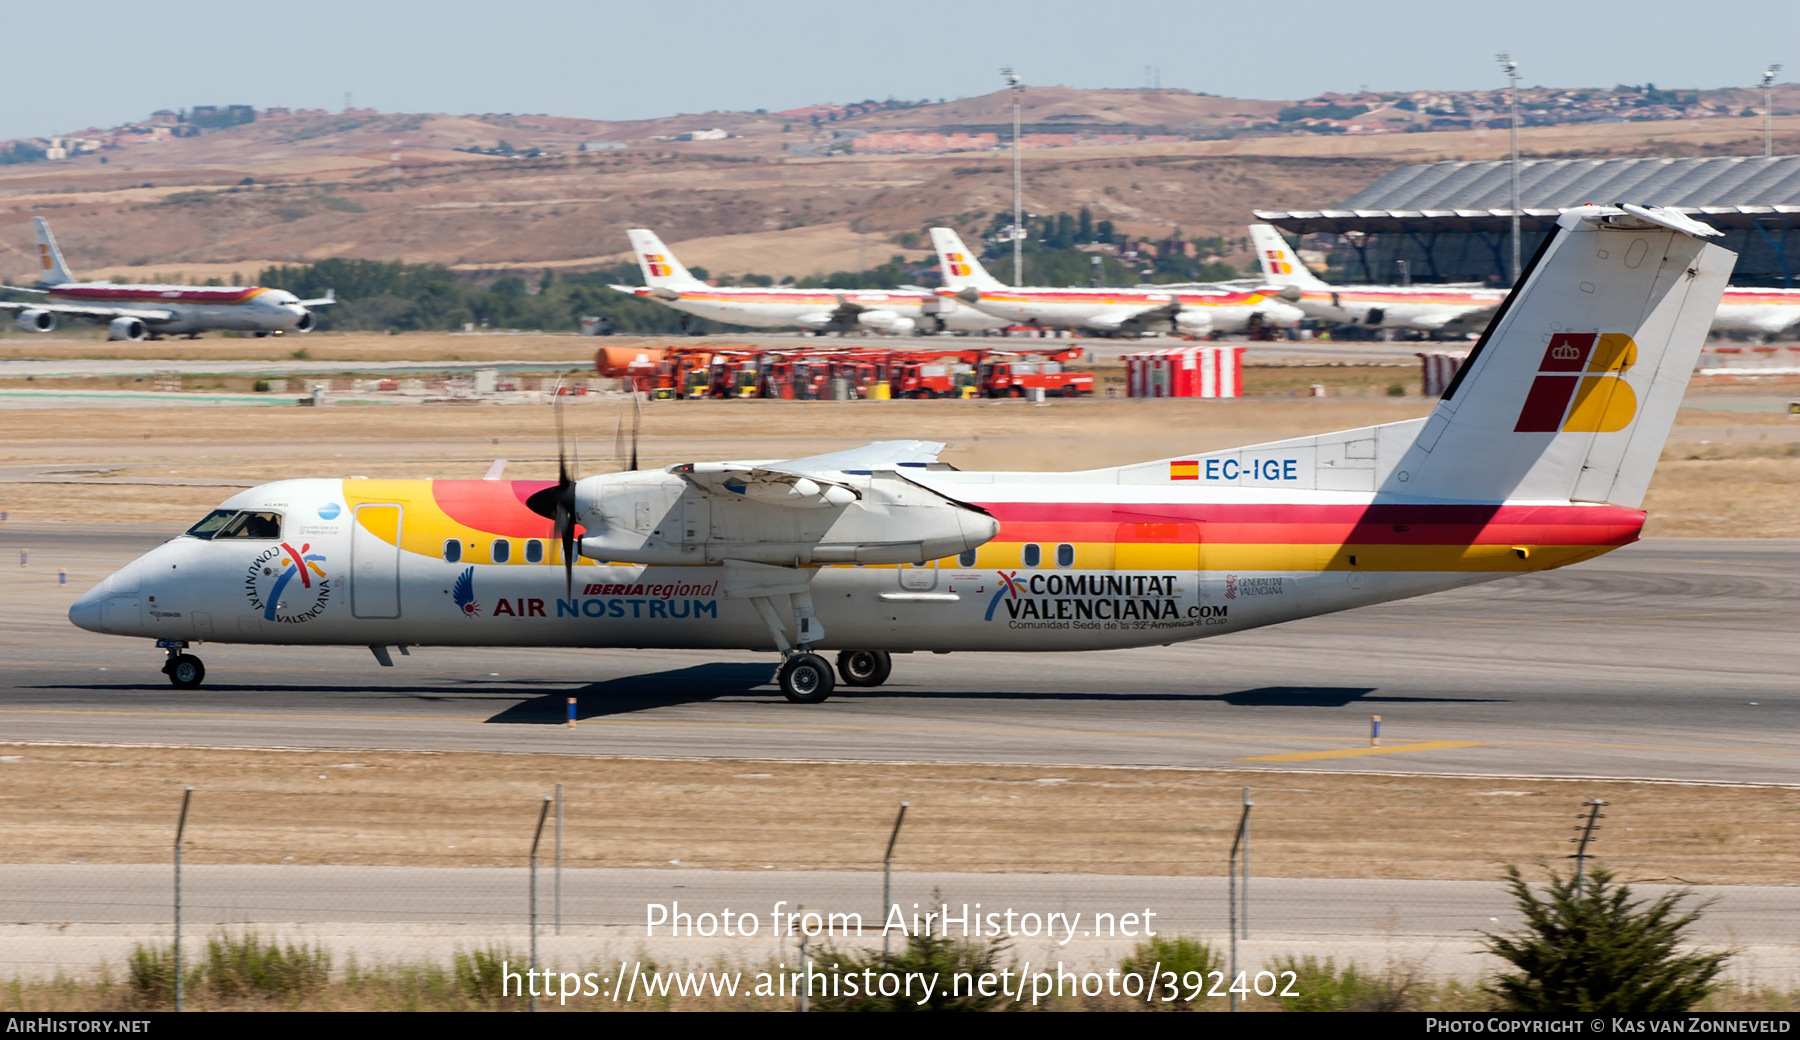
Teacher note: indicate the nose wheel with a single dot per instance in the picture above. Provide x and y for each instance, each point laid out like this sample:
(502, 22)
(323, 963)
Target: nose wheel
(805, 679)
(184, 670)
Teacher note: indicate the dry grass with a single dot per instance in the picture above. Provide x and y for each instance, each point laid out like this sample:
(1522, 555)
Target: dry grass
(117, 804)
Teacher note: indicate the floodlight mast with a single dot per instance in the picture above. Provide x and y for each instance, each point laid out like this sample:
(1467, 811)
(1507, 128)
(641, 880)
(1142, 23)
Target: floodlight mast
(1511, 68)
(1768, 89)
(1018, 222)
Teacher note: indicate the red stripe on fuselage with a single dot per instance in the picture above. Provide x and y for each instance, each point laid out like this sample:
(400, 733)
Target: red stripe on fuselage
(1271, 523)
(216, 296)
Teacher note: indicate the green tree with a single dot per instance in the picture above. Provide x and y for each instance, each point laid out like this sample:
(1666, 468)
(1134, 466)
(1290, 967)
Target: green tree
(1588, 947)
(930, 955)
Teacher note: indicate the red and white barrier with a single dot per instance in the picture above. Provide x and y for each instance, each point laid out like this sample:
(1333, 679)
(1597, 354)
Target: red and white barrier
(1186, 372)
(1438, 368)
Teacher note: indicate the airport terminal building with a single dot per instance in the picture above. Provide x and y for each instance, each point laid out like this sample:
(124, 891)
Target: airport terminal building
(1452, 221)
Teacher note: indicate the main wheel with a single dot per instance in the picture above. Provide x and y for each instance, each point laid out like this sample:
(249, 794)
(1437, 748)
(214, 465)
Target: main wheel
(864, 667)
(805, 679)
(186, 671)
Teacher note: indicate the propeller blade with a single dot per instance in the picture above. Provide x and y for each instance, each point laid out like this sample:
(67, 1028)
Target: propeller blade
(619, 438)
(637, 420)
(557, 503)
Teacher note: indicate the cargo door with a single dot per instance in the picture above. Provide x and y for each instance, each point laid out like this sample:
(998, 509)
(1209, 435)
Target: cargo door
(375, 562)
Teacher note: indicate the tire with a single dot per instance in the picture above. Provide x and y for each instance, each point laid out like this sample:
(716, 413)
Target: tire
(864, 667)
(805, 679)
(186, 671)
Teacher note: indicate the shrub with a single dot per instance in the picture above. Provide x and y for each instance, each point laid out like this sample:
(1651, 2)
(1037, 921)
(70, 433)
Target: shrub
(478, 973)
(1588, 947)
(929, 954)
(1189, 960)
(244, 965)
(1323, 987)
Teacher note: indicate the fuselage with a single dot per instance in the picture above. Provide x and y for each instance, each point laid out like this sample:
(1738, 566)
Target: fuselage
(1422, 308)
(1770, 312)
(195, 308)
(1111, 309)
(824, 309)
(1075, 566)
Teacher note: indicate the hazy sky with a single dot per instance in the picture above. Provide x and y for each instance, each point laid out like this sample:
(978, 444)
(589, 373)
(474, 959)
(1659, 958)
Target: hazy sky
(612, 60)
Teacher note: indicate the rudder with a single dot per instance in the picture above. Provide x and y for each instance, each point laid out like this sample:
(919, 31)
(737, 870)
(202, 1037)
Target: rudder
(960, 267)
(51, 269)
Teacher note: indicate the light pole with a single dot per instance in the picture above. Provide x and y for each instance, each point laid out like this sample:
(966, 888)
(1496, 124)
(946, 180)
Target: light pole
(1511, 68)
(1018, 229)
(1768, 84)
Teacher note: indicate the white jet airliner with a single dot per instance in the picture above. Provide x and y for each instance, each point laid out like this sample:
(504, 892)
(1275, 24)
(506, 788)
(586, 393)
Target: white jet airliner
(816, 310)
(1537, 456)
(135, 312)
(1189, 311)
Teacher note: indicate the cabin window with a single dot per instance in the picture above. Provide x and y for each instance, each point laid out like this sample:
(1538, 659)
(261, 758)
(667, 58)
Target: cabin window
(534, 551)
(1033, 555)
(966, 559)
(255, 526)
(1065, 555)
(501, 550)
(452, 551)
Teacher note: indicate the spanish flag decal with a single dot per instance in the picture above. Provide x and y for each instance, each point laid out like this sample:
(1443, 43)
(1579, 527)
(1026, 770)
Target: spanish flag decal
(1188, 470)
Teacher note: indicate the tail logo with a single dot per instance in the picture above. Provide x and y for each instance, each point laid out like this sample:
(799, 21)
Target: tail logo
(1277, 264)
(958, 267)
(44, 255)
(658, 264)
(1580, 386)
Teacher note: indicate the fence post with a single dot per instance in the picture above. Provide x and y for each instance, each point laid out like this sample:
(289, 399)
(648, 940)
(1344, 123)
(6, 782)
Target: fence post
(887, 879)
(1594, 815)
(1239, 912)
(535, 838)
(180, 826)
(559, 815)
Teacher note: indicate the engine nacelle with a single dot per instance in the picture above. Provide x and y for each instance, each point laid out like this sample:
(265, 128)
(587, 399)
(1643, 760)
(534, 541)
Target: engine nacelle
(1193, 322)
(884, 321)
(37, 321)
(814, 322)
(126, 328)
(306, 322)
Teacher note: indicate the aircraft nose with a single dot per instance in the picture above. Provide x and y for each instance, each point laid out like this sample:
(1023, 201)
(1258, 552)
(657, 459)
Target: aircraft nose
(85, 613)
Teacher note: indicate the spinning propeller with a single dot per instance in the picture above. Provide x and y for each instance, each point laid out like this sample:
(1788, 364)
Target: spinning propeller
(557, 503)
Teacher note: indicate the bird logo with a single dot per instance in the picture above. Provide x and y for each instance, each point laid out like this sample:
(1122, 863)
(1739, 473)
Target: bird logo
(463, 593)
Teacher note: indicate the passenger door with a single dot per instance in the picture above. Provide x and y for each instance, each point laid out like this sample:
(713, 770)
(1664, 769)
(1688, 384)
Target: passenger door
(375, 562)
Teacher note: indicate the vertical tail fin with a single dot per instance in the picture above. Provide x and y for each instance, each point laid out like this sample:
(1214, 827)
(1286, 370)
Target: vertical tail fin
(51, 269)
(1574, 386)
(961, 269)
(661, 269)
(1279, 263)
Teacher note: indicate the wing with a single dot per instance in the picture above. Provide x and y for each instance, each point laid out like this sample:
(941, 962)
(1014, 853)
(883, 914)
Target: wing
(813, 482)
(1474, 316)
(154, 317)
(1114, 319)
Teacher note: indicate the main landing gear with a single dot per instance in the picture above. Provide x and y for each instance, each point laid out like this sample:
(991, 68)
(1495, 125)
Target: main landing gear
(864, 667)
(183, 670)
(804, 678)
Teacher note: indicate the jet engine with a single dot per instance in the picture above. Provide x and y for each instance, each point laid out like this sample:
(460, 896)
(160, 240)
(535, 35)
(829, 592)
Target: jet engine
(884, 321)
(306, 322)
(1193, 322)
(37, 321)
(125, 328)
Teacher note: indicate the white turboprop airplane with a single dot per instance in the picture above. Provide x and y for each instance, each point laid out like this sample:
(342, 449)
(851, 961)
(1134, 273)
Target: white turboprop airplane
(1190, 311)
(816, 310)
(1421, 308)
(134, 312)
(1537, 456)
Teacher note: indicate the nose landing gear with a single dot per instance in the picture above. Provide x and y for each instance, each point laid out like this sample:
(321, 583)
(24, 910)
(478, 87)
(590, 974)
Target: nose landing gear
(183, 670)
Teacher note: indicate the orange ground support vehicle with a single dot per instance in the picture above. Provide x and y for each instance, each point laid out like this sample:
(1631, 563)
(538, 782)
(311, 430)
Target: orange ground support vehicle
(1004, 375)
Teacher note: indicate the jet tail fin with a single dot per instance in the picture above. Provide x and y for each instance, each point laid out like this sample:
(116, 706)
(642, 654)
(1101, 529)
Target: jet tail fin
(1280, 264)
(51, 269)
(961, 269)
(661, 269)
(1572, 390)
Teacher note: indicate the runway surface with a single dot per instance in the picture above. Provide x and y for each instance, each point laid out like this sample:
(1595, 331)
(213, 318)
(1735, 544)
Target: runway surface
(1673, 658)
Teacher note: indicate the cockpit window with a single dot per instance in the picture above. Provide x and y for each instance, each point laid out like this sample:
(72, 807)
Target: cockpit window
(210, 524)
(253, 526)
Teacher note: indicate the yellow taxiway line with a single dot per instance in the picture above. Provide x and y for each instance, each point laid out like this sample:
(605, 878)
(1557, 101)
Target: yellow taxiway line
(1311, 756)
